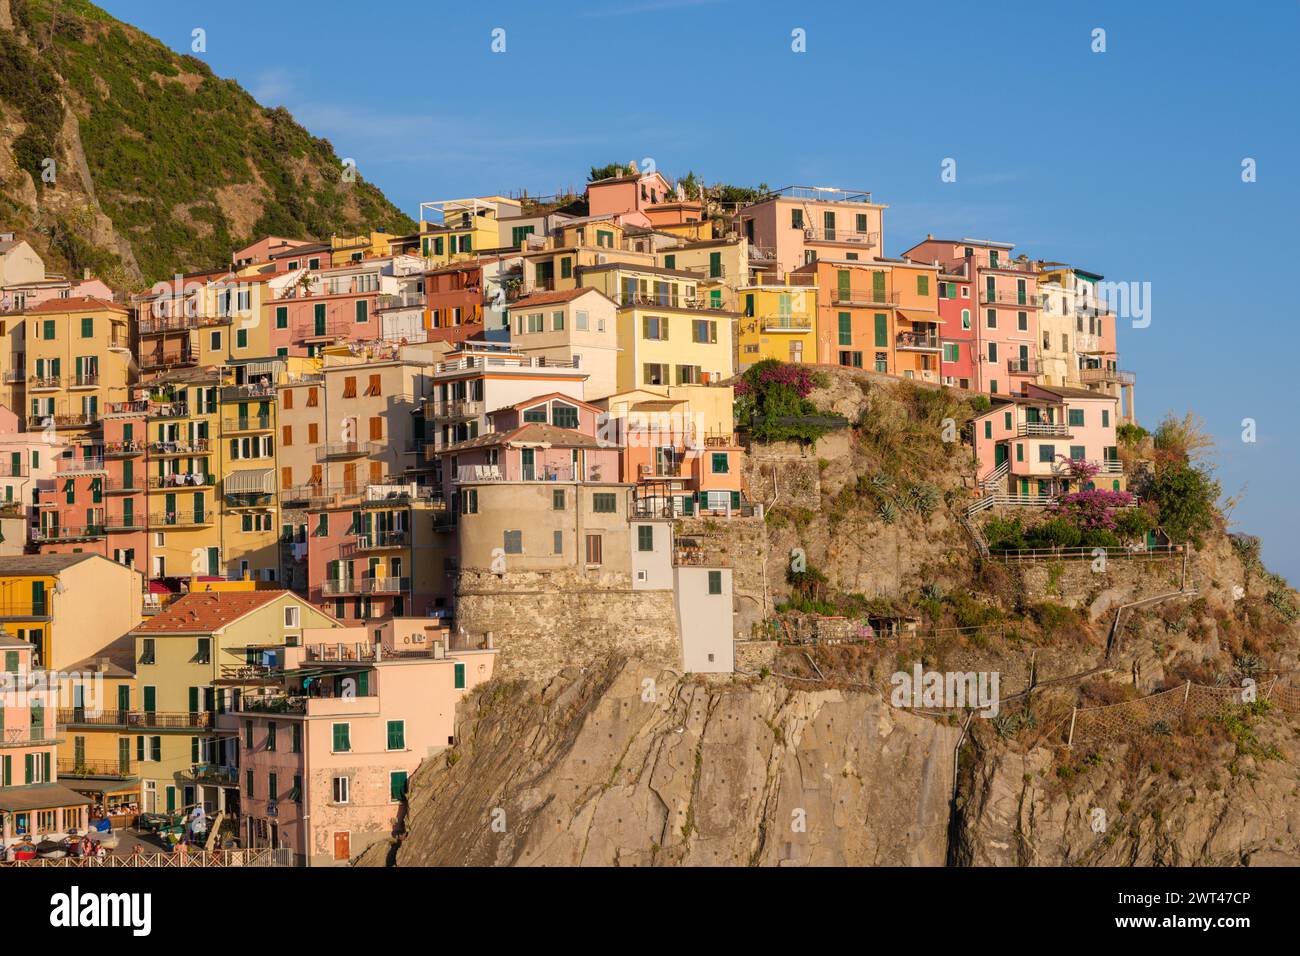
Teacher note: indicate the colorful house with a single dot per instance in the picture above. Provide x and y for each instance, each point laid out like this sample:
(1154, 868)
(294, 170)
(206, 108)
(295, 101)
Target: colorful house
(778, 319)
(796, 225)
(575, 328)
(78, 359)
(327, 753)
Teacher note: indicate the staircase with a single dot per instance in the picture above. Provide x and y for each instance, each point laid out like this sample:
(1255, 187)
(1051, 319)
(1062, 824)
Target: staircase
(977, 537)
(990, 484)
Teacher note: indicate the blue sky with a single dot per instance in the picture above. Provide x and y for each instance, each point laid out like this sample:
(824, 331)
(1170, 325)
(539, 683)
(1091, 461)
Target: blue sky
(1126, 162)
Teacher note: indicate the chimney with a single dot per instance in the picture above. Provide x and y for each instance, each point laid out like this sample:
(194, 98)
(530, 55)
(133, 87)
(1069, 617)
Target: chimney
(487, 640)
(929, 236)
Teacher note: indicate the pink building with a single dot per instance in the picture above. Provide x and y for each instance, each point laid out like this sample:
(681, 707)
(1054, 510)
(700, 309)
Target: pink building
(1005, 302)
(326, 758)
(630, 197)
(1024, 445)
(958, 338)
(551, 437)
(26, 467)
(326, 307)
(33, 805)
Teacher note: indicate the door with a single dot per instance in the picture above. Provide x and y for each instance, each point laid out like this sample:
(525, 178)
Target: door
(342, 845)
(123, 701)
(842, 286)
(150, 699)
(999, 455)
(319, 322)
(527, 461)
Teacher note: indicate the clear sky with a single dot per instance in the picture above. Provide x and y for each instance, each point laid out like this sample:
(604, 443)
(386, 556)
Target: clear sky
(1126, 162)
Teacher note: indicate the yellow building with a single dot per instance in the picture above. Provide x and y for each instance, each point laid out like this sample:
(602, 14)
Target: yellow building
(67, 605)
(369, 245)
(194, 661)
(247, 482)
(460, 228)
(78, 360)
(672, 328)
(778, 320)
(558, 261)
(184, 461)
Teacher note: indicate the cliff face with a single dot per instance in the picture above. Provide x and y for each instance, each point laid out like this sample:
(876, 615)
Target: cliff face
(802, 759)
(628, 764)
(158, 166)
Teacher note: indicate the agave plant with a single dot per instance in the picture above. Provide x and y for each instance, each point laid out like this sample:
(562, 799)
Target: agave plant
(888, 512)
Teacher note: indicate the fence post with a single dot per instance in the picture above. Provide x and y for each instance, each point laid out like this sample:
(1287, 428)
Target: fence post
(1069, 741)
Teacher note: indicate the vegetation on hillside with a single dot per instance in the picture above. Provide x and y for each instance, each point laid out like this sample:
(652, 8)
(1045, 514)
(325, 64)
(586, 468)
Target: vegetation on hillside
(772, 402)
(186, 164)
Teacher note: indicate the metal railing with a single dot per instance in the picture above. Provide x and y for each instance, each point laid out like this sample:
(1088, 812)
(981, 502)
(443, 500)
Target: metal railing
(74, 465)
(47, 534)
(378, 540)
(1030, 366)
(697, 303)
(180, 479)
(1088, 375)
(1030, 300)
(118, 769)
(841, 296)
(439, 411)
(811, 234)
(346, 449)
(253, 423)
(38, 382)
(179, 323)
(917, 340)
(162, 720)
(181, 519)
(199, 446)
(1042, 429)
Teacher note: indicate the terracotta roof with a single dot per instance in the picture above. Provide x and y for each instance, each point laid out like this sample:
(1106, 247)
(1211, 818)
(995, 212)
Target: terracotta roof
(547, 298)
(203, 612)
(77, 304)
(537, 399)
(532, 434)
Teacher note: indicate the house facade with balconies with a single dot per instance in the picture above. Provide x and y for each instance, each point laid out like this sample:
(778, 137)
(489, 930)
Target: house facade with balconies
(1024, 446)
(195, 660)
(326, 756)
(778, 319)
(577, 327)
(796, 225)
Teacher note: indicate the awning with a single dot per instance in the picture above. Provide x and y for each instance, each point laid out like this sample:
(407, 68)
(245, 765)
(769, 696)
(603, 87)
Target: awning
(252, 481)
(40, 796)
(911, 315)
(107, 787)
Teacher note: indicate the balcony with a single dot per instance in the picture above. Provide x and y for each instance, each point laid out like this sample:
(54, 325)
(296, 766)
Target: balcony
(1025, 366)
(381, 540)
(785, 323)
(85, 380)
(78, 466)
(60, 420)
(649, 300)
(52, 534)
(171, 449)
(248, 393)
(25, 609)
(180, 323)
(123, 449)
(168, 410)
(15, 376)
(863, 297)
(180, 479)
(44, 383)
(253, 423)
(116, 524)
(333, 329)
(365, 585)
(1028, 300)
(17, 737)
(842, 235)
(145, 719)
(9, 468)
(1090, 376)
(90, 769)
(116, 486)
(213, 774)
(158, 359)
(1042, 430)
(335, 451)
(451, 411)
(321, 492)
(917, 341)
(181, 519)
(137, 407)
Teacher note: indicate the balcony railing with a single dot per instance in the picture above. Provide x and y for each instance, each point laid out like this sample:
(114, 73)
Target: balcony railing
(85, 380)
(841, 296)
(453, 410)
(1030, 300)
(928, 341)
(50, 534)
(248, 393)
(199, 446)
(137, 407)
(253, 423)
(168, 410)
(131, 522)
(1026, 366)
(378, 540)
(66, 466)
(117, 486)
(180, 323)
(181, 479)
(365, 586)
(842, 235)
(13, 469)
(123, 449)
(181, 519)
(15, 376)
(113, 769)
(162, 720)
(698, 303)
(1091, 375)
(158, 359)
(14, 609)
(38, 383)
(1042, 430)
(346, 449)
(785, 323)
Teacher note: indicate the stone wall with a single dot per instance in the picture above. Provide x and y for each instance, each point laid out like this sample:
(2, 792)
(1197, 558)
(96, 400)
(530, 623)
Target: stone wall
(542, 622)
(1086, 585)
